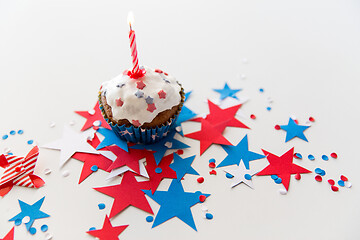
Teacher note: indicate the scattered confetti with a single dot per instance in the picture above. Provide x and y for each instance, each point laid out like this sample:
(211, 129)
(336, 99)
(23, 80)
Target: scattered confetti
(298, 156)
(294, 130)
(334, 155)
(252, 116)
(341, 183)
(277, 127)
(278, 180)
(20, 132)
(318, 178)
(261, 90)
(149, 219)
(158, 170)
(282, 191)
(209, 216)
(94, 168)
(32, 230)
(101, 206)
(44, 228)
(331, 182)
(212, 172)
(212, 160)
(200, 180)
(48, 236)
(343, 178)
(212, 165)
(311, 119)
(334, 188)
(324, 157)
(348, 184)
(12, 132)
(65, 173)
(268, 108)
(297, 176)
(30, 142)
(228, 175)
(202, 198)
(311, 157)
(4, 137)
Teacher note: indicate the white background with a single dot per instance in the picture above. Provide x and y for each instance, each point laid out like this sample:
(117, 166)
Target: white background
(305, 54)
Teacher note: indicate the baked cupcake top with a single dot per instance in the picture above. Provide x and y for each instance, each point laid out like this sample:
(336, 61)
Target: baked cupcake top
(141, 100)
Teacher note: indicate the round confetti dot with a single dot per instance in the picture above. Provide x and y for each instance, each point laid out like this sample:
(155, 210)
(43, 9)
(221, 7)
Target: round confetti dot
(158, 170)
(298, 156)
(91, 112)
(101, 206)
(32, 230)
(7, 150)
(334, 188)
(282, 191)
(212, 172)
(12, 132)
(94, 168)
(202, 198)
(331, 182)
(323, 173)
(311, 157)
(334, 155)
(324, 157)
(149, 219)
(277, 127)
(318, 170)
(5, 136)
(18, 222)
(341, 183)
(311, 119)
(200, 180)
(252, 116)
(180, 151)
(268, 108)
(297, 176)
(228, 175)
(278, 181)
(204, 208)
(30, 142)
(44, 228)
(274, 177)
(296, 121)
(348, 184)
(342, 177)
(247, 176)
(10, 153)
(209, 216)
(20, 132)
(212, 165)
(72, 123)
(92, 228)
(212, 160)
(48, 236)
(65, 173)
(97, 123)
(261, 90)
(52, 124)
(47, 171)
(26, 219)
(318, 178)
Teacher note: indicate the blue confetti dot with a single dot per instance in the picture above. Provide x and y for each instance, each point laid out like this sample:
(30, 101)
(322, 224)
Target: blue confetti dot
(18, 222)
(92, 228)
(212, 160)
(32, 230)
(318, 170)
(44, 228)
(311, 157)
(12, 132)
(30, 142)
(5, 136)
(268, 108)
(209, 216)
(149, 218)
(228, 175)
(274, 177)
(278, 181)
(261, 89)
(341, 183)
(10, 153)
(298, 155)
(322, 173)
(324, 157)
(158, 170)
(94, 168)
(101, 206)
(20, 132)
(247, 176)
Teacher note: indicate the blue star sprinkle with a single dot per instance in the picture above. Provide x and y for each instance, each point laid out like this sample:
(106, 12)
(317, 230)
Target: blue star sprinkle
(238, 153)
(294, 130)
(149, 100)
(110, 139)
(175, 203)
(227, 92)
(182, 166)
(139, 94)
(32, 211)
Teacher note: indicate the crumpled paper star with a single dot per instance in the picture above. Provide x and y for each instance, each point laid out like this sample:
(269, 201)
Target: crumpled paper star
(107, 232)
(70, 143)
(294, 130)
(282, 166)
(183, 166)
(175, 202)
(111, 139)
(127, 193)
(9, 235)
(91, 118)
(241, 175)
(159, 148)
(227, 92)
(32, 211)
(239, 153)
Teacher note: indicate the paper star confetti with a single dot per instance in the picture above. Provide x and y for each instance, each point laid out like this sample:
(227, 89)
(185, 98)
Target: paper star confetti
(239, 153)
(227, 92)
(70, 143)
(32, 211)
(241, 175)
(294, 130)
(282, 166)
(175, 203)
(121, 170)
(92, 116)
(111, 139)
(182, 166)
(9, 235)
(127, 193)
(19, 171)
(107, 232)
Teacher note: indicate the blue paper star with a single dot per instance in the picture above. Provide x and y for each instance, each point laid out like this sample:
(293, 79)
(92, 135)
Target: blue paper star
(32, 211)
(160, 147)
(227, 92)
(110, 139)
(238, 153)
(175, 203)
(294, 130)
(182, 166)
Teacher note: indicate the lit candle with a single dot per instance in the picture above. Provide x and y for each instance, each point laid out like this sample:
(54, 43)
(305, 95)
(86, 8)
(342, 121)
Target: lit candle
(134, 55)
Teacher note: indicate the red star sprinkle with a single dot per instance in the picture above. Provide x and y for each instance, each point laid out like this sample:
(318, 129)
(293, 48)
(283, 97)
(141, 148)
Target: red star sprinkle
(158, 71)
(91, 118)
(136, 123)
(119, 102)
(162, 94)
(140, 85)
(127, 193)
(9, 235)
(108, 232)
(282, 166)
(212, 172)
(151, 107)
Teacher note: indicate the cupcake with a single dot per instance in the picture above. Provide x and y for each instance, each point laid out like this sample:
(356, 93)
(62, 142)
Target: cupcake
(142, 109)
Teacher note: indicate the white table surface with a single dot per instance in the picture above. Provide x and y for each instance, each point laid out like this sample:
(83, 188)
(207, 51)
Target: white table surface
(305, 54)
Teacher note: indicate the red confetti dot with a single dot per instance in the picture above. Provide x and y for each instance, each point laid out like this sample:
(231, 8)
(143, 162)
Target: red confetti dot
(252, 116)
(17, 169)
(342, 177)
(331, 182)
(180, 151)
(212, 172)
(158, 71)
(296, 121)
(334, 188)
(165, 73)
(277, 127)
(202, 198)
(200, 180)
(333, 155)
(295, 156)
(297, 176)
(318, 178)
(311, 119)
(212, 165)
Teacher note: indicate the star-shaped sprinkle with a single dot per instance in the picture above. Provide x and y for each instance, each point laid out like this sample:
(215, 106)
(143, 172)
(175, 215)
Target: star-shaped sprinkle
(182, 166)
(140, 85)
(127, 193)
(149, 100)
(294, 130)
(107, 232)
(136, 123)
(119, 102)
(70, 143)
(227, 92)
(111, 139)
(282, 166)
(9, 235)
(32, 211)
(91, 118)
(151, 107)
(241, 175)
(162, 94)
(139, 94)
(239, 153)
(175, 203)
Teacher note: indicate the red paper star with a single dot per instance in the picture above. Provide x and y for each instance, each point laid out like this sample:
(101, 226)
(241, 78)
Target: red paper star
(129, 192)
(130, 159)
(208, 135)
(282, 166)
(151, 107)
(10, 235)
(108, 232)
(157, 175)
(218, 115)
(90, 160)
(140, 85)
(90, 119)
(162, 94)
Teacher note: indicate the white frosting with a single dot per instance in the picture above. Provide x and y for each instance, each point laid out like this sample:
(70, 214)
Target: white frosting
(135, 108)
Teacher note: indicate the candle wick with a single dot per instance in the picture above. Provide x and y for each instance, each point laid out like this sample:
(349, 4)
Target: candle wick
(130, 27)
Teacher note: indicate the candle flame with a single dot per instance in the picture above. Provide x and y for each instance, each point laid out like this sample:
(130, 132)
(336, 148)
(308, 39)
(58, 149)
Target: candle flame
(130, 18)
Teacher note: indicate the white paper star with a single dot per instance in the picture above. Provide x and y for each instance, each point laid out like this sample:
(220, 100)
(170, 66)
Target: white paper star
(70, 143)
(239, 173)
(123, 169)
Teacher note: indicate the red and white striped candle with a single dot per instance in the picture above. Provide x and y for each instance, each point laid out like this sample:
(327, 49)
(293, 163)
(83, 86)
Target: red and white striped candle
(134, 54)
